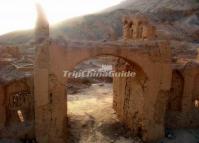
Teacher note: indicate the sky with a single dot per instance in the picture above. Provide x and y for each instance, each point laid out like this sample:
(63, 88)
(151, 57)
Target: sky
(21, 14)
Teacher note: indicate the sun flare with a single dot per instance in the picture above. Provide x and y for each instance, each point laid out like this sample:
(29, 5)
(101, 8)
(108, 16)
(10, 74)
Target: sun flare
(19, 15)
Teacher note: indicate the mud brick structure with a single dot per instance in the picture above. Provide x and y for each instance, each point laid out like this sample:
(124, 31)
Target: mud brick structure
(183, 107)
(16, 104)
(144, 112)
(138, 27)
(162, 94)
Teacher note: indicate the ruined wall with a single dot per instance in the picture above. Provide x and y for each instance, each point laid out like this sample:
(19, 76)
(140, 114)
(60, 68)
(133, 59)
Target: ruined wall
(196, 89)
(176, 92)
(182, 108)
(129, 96)
(182, 100)
(19, 98)
(134, 96)
(138, 27)
(195, 103)
(10, 52)
(174, 116)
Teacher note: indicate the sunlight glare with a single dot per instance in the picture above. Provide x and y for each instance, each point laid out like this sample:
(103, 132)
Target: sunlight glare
(19, 15)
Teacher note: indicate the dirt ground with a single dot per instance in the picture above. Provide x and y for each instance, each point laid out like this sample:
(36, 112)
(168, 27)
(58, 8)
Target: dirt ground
(92, 120)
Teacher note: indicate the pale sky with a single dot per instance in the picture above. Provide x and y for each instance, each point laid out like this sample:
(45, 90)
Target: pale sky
(21, 14)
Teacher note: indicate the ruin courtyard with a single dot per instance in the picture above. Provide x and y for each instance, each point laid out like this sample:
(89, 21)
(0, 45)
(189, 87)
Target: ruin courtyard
(163, 95)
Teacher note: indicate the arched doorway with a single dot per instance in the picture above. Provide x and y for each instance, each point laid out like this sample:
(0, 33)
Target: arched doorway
(95, 113)
(50, 99)
(55, 56)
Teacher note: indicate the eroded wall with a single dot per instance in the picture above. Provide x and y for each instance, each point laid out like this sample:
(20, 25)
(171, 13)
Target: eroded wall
(176, 92)
(182, 108)
(129, 95)
(138, 27)
(19, 97)
(174, 116)
(196, 88)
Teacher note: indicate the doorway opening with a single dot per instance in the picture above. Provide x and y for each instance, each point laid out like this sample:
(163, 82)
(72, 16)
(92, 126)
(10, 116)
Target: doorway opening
(91, 114)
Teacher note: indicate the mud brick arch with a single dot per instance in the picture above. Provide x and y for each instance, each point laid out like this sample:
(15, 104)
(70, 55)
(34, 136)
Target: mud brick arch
(53, 57)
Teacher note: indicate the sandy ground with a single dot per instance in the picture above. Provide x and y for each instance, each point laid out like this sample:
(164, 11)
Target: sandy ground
(92, 120)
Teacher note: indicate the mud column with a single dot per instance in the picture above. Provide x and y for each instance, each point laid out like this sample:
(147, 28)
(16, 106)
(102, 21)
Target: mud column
(48, 125)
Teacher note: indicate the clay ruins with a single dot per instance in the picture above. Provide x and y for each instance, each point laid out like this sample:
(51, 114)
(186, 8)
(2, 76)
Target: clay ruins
(162, 94)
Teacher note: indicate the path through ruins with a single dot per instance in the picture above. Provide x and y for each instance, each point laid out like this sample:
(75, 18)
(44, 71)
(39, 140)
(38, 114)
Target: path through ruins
(92, 119)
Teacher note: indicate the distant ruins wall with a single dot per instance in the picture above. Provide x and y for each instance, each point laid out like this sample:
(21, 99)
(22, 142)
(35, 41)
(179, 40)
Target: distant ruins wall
(138, 27)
